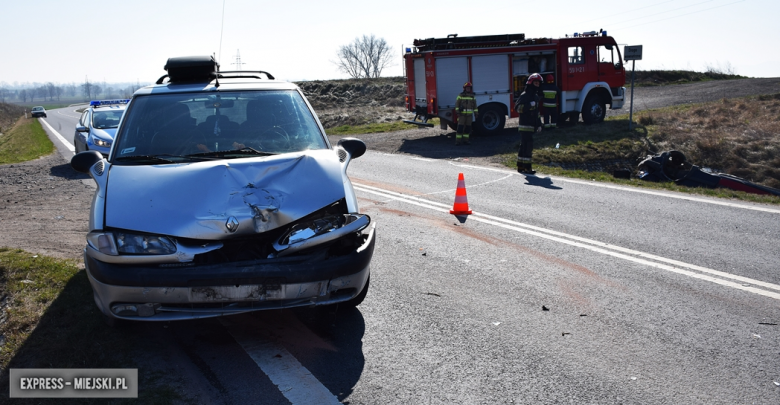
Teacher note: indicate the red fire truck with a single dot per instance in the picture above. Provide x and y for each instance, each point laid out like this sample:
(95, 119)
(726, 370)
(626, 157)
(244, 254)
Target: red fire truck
(587, 68)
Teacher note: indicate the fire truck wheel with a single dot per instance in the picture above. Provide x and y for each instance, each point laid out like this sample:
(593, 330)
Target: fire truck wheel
(491, 119)
(593, 110)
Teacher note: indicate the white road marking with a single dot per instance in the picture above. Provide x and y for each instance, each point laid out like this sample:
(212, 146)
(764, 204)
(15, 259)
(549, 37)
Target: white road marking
(638, 190)
(294, 381)
(60, 137)
(690, 270)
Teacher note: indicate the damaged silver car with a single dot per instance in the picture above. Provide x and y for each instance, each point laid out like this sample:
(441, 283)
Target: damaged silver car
(222, 194)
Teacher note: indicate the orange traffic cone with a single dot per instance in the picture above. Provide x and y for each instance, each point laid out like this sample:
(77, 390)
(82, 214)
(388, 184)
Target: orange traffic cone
(461, 206)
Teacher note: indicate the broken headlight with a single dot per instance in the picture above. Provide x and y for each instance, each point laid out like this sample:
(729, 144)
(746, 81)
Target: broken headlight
(120, 243)
(318, 231)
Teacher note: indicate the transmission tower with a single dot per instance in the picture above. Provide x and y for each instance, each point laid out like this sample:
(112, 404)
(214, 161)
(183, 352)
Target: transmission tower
(238, 62)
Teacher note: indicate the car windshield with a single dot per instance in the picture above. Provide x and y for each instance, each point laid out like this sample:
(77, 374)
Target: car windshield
(104, 119)
(37, 109)
(186, 124)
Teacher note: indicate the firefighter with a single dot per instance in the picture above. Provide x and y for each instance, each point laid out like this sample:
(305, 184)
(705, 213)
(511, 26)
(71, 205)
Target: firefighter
(465, 105)
(550, 103)
(528, 107)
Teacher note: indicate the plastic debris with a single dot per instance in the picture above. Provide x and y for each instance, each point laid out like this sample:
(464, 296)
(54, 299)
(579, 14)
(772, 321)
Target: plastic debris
(496, 323)
(544, 308)
(776, 383)
(757, 336)
(633, 378)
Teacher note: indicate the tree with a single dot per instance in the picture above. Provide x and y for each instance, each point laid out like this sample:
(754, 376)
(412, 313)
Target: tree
(365, 57)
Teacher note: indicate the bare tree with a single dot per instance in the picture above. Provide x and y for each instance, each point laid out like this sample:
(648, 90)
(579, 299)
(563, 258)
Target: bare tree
(51, 90)
(365, 57)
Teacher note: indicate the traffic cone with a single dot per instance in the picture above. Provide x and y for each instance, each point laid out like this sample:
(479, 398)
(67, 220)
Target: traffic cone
(461, 205)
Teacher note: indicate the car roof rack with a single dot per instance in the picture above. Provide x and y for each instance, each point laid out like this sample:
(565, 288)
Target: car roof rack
(244, 74)
(191, 69)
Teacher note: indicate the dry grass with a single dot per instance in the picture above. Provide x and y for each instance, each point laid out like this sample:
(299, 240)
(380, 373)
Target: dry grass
(735, 136)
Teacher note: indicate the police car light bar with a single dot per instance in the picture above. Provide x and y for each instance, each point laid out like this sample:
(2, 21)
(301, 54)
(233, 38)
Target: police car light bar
(97, 103)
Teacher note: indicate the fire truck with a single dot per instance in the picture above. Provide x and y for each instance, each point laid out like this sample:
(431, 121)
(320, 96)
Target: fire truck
(587, 67)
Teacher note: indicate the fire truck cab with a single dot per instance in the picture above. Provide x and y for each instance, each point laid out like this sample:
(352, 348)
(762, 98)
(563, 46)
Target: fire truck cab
(587, 67)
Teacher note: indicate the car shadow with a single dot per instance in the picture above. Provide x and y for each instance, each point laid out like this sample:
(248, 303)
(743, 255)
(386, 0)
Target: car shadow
(198, 360)
(67, 172)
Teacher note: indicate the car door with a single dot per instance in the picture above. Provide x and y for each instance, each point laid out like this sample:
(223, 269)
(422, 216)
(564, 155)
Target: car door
(80, 139)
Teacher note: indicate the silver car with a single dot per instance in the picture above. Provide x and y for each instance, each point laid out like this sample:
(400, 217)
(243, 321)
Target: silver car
(222, 195)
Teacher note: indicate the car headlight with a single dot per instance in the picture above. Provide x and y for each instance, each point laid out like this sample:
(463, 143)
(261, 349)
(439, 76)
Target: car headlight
(120, 243)
(100, 141)
(315, 232)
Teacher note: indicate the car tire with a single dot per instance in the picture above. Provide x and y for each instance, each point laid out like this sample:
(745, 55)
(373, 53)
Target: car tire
(593, 110)
(354, 302)
(490, 120)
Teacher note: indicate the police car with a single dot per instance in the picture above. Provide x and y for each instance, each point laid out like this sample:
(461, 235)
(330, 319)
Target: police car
(223, 195)
(97, 126)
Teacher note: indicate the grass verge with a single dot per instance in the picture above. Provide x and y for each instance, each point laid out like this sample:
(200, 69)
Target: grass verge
(736, 136)
(25, 141)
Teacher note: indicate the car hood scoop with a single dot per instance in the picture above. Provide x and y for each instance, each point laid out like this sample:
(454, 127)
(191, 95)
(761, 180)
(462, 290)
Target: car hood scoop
(206, 200)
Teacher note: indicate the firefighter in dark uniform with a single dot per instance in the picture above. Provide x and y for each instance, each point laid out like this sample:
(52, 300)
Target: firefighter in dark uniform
(528, 107)
(465, 105)
(550, 103)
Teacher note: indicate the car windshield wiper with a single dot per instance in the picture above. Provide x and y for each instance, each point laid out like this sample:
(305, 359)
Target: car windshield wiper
(156, 158)
(243, 151)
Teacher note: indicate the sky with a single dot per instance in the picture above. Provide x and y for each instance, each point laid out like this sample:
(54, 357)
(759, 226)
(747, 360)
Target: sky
(129, 42)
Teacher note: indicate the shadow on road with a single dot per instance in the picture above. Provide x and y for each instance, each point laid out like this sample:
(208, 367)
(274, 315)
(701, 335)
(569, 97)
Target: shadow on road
(437, 144)
(198, 361)
(541, 182)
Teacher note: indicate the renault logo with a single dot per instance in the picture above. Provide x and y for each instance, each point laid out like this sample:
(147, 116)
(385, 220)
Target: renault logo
(232, 224)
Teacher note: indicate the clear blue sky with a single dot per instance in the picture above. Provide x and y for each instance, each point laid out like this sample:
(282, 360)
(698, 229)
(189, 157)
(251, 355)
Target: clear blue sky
(129, 41)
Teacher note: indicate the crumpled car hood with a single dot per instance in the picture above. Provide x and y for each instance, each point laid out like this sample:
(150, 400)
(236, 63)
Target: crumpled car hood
(197, 200)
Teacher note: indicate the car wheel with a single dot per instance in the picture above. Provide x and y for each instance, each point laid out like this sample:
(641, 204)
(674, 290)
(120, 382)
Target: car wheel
(360, 297)
(593, 110)
(490, 120)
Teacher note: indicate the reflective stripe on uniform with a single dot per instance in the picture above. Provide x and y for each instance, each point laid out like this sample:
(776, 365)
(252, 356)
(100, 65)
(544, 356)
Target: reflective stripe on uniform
(526, 128)
(523, 159)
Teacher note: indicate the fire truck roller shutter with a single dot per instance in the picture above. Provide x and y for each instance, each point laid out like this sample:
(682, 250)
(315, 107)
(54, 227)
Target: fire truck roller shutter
(419, 81)
(492, 87)
(451, 73)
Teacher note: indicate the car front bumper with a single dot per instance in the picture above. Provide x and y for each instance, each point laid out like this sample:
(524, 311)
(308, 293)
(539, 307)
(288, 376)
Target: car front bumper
(149, 293)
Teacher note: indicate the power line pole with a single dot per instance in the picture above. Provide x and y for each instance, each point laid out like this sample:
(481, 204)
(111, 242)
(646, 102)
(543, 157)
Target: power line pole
(238, 62)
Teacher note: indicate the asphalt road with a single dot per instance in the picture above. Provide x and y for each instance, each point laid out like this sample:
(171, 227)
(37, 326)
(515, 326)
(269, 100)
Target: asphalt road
(553, 291)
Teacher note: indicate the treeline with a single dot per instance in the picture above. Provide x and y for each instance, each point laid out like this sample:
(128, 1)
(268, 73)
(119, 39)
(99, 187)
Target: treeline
(54, 92)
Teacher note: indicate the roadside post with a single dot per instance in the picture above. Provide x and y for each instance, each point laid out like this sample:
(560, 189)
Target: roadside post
(632, 53)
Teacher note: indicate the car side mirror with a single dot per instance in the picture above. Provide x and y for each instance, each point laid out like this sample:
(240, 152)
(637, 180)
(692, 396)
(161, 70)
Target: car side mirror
(81, 162)
(354, 146)
(82, 129)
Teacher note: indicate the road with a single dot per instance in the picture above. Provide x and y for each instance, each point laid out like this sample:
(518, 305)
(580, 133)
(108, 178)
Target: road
(553, 291)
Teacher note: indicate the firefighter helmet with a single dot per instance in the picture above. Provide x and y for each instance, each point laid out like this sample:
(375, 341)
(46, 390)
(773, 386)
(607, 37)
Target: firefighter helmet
(467, 84)
(536, 77)
(550, 78)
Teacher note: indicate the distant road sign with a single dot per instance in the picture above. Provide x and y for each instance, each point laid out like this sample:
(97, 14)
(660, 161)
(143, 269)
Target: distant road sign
(632, 52)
